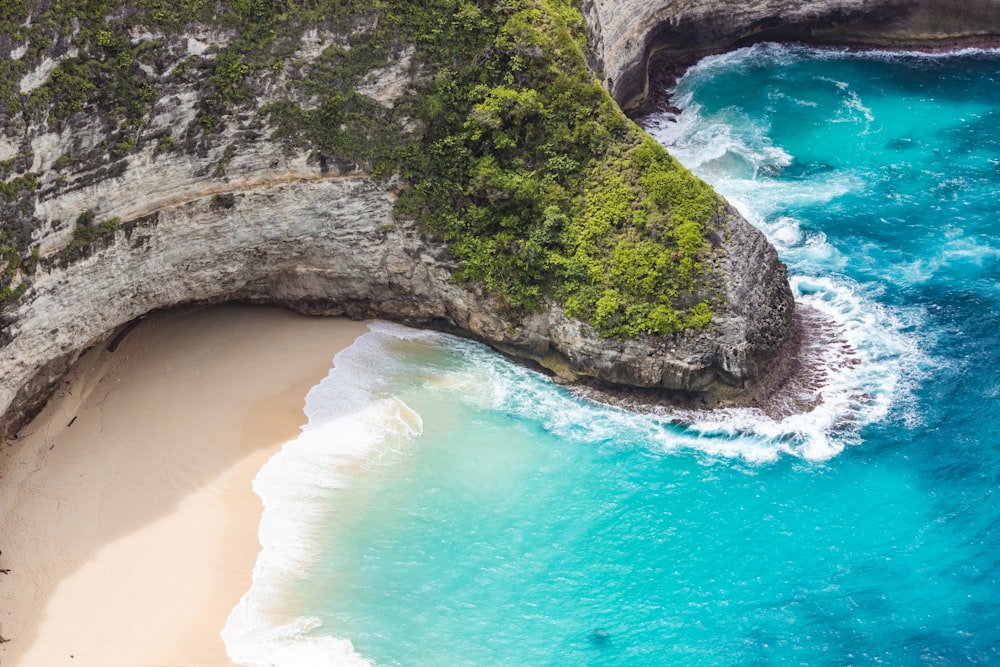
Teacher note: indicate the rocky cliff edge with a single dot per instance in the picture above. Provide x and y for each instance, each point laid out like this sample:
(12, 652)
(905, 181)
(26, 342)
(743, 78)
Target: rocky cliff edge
(170, 186)
(627, 33)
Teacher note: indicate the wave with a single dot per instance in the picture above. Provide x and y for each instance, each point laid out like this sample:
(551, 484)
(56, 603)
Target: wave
(730, 144)
(353, 419)
(857, 385)
(867, 356)
(258, 644)
(356, 417)
(772, 55)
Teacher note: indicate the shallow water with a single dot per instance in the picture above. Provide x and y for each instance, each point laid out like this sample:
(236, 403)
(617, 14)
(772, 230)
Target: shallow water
(444, 507)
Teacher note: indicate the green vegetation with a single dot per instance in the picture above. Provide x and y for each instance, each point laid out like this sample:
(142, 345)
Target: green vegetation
(11, 263)
(86, 232)
(106, 76)
(543, 188)
(522, 163)
(10, 190)
(510, 150)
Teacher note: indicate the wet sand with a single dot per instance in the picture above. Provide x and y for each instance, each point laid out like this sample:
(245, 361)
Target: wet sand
(127, 517)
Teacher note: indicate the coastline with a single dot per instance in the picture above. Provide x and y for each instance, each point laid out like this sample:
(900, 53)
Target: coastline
(665, 68)
(789, 385)
(127, 517)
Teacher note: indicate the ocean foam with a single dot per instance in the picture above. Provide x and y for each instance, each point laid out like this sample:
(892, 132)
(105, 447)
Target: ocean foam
(727, 144)
(351, 419)
(354, 417)
(490, 382)
(288, 645)
(861, 384)
(358, 416)
(774, 55)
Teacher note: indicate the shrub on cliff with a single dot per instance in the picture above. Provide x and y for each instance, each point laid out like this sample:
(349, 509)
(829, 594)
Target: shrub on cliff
(511, 151)
(541, 186)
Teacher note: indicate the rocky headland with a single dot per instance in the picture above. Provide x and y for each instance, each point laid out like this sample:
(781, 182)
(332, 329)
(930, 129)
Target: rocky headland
(628, 35)
(155, 156)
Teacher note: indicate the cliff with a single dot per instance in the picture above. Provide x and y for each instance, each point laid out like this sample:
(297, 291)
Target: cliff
(451, 166)
(626, 34)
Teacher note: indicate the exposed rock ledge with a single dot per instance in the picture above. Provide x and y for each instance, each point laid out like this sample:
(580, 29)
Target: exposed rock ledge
(626, 33)
(206, 225)
(168, 213)
(284, 232)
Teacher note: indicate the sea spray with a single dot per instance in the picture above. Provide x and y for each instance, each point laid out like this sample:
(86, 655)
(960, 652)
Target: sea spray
(356, 418)
(350, 420)
(776, 176)
(507, 521)
(521, 521)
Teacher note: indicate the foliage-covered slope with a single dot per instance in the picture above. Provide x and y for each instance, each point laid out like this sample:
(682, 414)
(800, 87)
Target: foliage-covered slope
(507, 146)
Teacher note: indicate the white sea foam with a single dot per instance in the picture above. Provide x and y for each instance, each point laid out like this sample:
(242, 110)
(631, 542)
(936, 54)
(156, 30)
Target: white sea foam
(851, 108)
(885, 357)
(859, 385)
(771, 54)
(701, 143)
(730, 144)
(355, 416)
(351, 419)
(851, 395)
(288, 645)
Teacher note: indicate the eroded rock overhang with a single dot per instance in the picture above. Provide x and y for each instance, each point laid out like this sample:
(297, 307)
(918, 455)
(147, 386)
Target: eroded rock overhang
(626, 34)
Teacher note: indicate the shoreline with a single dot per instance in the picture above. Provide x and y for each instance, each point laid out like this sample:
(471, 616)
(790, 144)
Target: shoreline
(127, 516)
(790, 385)
(664, 68)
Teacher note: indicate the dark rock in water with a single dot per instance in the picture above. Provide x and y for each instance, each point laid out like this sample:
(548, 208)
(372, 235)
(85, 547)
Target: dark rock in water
(900, 144)
(805, 170)
(600, 636)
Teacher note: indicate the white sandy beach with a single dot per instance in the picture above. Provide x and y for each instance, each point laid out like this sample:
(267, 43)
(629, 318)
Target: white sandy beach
(127, 517)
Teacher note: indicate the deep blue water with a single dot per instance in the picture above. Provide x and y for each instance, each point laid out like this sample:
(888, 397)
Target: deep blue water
(444, 507)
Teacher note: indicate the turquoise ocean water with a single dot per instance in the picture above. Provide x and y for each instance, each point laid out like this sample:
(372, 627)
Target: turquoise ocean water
(445, 507)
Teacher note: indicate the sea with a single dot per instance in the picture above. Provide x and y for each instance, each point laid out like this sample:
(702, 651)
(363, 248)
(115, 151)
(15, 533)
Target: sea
(444, 506)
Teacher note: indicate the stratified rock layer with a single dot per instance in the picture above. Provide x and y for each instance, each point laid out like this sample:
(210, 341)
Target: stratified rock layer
(626, 33)
(281, 231)
(121, 226)
(239, 217)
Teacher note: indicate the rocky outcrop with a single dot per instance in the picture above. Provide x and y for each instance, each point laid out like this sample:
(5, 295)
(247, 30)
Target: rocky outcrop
(750, 325)
(123, 220)
(187, 215)
(329, 243)
(625, 34)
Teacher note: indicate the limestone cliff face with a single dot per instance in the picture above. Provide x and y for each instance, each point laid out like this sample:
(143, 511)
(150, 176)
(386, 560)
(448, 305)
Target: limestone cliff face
(125, 219)
(280, 231)
(626, 33)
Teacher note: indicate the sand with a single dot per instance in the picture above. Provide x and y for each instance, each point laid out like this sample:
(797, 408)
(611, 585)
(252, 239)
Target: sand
(127, 517)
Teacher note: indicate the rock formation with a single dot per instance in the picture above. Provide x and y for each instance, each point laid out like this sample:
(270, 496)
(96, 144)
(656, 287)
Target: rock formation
(625, 34)
(279, 230)
(106, 220)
